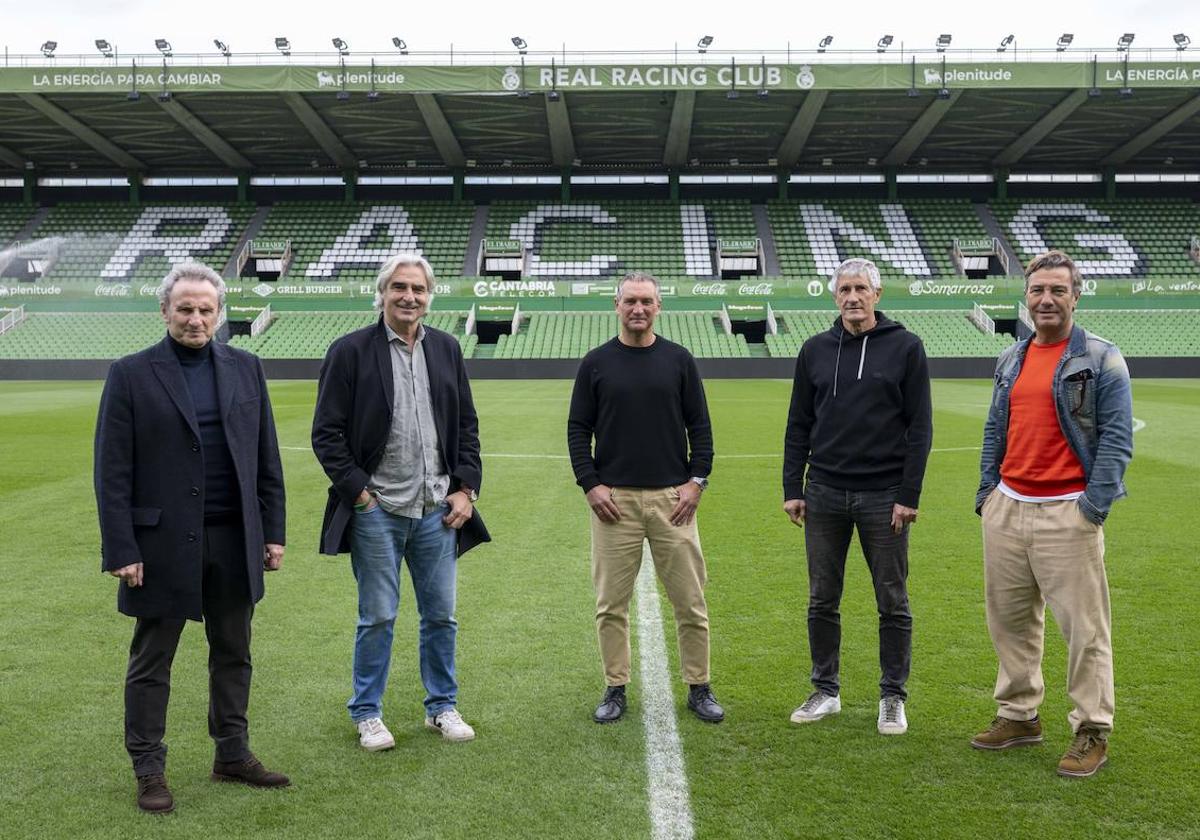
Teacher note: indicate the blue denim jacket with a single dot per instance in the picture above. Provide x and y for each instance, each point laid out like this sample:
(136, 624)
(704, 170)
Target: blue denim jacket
(1095, 411)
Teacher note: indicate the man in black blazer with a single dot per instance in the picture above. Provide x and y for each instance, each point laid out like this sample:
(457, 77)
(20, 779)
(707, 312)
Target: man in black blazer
(189, 489)
(396, 432)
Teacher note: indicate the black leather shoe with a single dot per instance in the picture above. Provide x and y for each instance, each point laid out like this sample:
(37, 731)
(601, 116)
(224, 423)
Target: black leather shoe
(248, 772)
(612, 706)
(153, 795)
(705, 706)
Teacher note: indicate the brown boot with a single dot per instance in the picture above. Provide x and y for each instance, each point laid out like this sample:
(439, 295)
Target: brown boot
(248, 772)
(153, 795)
(1003, 733)
(1087, 754)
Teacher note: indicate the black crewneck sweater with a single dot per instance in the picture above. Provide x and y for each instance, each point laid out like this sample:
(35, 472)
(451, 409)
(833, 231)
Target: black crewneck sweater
(221, 497)
(644, 406)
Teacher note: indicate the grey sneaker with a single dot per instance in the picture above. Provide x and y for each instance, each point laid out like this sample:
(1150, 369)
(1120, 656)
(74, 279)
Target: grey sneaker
(818, 705)
(892, 720)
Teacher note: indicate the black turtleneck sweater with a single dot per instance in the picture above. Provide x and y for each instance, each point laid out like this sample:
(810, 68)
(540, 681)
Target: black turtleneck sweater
(221, 497)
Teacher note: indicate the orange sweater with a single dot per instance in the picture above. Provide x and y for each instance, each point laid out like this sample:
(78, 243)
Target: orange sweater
(1038, 461)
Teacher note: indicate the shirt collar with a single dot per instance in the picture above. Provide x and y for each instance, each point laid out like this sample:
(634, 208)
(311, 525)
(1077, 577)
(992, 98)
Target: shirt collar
(392, 335)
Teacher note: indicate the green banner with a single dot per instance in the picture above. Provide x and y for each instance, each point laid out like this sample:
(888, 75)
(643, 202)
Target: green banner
(746, 311)
(738, 247)
(503, 247)
(976, 247)
(495, 311)
(633, 77)
(268, 248)
(257, 294)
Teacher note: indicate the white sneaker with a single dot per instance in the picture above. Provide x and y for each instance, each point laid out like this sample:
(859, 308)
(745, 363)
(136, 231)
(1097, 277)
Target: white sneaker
(374, 736)
(892, 720)
(451, 725)
(818, 705)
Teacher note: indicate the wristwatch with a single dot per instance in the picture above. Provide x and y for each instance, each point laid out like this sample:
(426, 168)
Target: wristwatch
(701, 482)
(470, 493)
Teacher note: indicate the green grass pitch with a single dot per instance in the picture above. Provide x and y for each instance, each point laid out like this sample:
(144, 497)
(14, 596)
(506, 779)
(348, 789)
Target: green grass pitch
(530, 673)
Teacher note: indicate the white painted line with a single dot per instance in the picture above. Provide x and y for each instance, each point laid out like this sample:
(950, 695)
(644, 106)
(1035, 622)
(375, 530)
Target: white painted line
(666, 780)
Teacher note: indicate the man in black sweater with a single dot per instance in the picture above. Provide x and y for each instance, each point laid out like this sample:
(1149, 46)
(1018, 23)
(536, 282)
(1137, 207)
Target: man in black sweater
(641, 398)
(861, 422)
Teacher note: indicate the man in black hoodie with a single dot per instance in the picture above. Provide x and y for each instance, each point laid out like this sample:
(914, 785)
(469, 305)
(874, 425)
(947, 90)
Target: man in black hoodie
(861, 423)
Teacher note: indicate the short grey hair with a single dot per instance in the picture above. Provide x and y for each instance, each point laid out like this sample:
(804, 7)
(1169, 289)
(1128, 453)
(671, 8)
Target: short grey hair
(1052, 260)
(391, 265)
(639, 277)
(191, 271)
(856, 267)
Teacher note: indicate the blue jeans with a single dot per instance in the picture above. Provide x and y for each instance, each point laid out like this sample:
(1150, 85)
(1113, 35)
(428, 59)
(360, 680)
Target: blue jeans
(831, 517)
(378, 542)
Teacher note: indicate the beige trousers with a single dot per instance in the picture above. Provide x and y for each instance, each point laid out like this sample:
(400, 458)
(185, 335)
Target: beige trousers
(1047, 553)
(616, 560)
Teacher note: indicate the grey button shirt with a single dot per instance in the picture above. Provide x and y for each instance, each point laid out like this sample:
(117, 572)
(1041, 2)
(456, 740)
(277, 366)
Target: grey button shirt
(411, 479)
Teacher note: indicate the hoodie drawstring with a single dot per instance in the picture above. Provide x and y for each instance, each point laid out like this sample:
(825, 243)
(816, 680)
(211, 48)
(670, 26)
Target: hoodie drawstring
(863, 357)
(837, 362)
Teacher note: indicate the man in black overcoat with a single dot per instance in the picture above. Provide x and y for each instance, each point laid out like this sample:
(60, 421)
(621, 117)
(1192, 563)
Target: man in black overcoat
(189, 489)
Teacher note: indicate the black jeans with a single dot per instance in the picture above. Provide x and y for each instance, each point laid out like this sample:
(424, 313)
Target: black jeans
(831, 517)
(227, 614)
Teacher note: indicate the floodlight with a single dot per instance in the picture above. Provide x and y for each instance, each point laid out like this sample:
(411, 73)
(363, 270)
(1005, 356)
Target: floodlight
(343, 95)
(1124, 42)
(825, 42)
(399, 44)
(519, 43)
(1005, 44)
(1064, 41)
(1182, 41)
(283, 45)
(105, 48)
(163, 46)
(883, 43)
(704, 43)
(553, 95)
(48, 48)
(943, 41)
(222, 46)
(341, 46)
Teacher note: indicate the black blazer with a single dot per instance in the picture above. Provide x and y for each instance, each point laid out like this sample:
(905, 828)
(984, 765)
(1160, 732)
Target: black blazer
(149, 475)
(353, 418)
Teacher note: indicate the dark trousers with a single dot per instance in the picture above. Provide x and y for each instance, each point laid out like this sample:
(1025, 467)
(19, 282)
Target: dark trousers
(832, 515)
(227, 614)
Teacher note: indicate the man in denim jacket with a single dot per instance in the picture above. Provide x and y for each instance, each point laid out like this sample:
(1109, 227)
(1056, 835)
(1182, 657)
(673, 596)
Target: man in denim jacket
(1057, 440)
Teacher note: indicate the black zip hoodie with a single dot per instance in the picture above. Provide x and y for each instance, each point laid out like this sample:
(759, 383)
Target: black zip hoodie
(861, 416)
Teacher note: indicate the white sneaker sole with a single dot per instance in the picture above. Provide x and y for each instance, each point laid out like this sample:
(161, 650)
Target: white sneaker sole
(799, 718)
(378, 747)
(429, 724)
(892, 730)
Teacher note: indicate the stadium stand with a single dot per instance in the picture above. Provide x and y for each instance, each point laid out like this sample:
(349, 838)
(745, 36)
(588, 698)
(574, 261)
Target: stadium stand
(569, 335)
(603, 239)
(1145, 332)
(92, 335)
(339, 241)
(945, 333)
(12, 219)
(907, 241)
(129, 243)
(307, 335)
(1143, 238)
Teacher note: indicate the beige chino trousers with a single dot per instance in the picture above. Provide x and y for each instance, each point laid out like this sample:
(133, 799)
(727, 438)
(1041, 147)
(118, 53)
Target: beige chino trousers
(1047, 553)
(616, 561)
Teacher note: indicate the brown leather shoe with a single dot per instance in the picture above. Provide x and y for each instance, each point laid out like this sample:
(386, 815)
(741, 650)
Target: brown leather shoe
(1087, 754)
(1003, 733)
(248, 772)
(153, 795)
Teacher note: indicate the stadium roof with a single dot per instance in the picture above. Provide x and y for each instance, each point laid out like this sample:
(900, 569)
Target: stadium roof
(152, 117)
